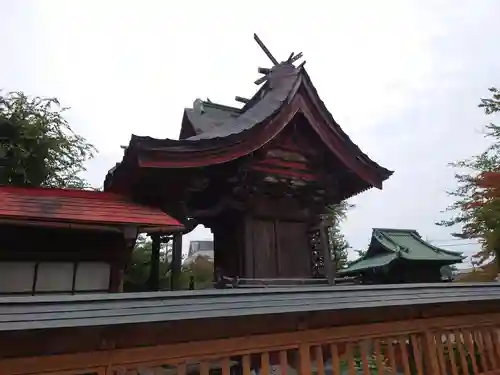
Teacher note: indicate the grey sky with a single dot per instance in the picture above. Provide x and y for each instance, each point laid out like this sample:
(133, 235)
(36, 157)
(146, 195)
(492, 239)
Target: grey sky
(402, 78)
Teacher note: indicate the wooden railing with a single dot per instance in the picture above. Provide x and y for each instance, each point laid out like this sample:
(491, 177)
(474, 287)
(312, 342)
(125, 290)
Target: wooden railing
(463, 345)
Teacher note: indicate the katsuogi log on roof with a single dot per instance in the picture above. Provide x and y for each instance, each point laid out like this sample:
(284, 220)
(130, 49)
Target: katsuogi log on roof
(213, 134)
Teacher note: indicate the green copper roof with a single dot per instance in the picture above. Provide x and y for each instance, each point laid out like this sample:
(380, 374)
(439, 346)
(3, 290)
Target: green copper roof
(370, 262)
(389, 244)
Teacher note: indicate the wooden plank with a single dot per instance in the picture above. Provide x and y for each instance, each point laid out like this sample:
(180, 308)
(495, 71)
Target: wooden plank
(451, 352)
(283, 361)
(83, 371)
(417, 353)
(496, 341)
(440, 351)
(431, 354)
(365, 357)
(305, 359)
(318, 356)
(248, 253)
(490, 348)
(246, 365)
(404, 353)
(329, 269)
(154, 270)
(350, 358)
(264, 248)
(226, 368)
(204, 368)
(470, 348)
(460, 342)
(264, 364)
(335, 359)
(391, 354)
(294, 254)
(378, 357)
(176, 261)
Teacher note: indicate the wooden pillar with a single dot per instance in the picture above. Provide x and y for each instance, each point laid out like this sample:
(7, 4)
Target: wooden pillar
(117, 266)
(116, 277)
(325, 245)
(154, 272)
(176, 261)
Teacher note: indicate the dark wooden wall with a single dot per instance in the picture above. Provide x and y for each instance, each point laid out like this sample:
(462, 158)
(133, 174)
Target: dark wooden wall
(57, 244)
(405, 272)
(277, 248)
(269, 240)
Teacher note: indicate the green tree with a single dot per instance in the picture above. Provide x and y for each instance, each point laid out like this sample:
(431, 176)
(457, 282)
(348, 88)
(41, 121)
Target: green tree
(202, 271)
(476, 210)
(37, 145)
(139, 267)
(337, 241)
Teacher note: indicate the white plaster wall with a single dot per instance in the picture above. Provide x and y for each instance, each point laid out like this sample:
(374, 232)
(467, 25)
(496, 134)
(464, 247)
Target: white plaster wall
(54, 277)
(16, 277)
(92, 276)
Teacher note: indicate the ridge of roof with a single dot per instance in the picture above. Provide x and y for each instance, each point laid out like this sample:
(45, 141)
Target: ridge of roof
(396, 230)
(222, 107)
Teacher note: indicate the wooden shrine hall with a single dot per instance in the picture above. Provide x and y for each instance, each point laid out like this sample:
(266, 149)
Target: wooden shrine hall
(259, 176)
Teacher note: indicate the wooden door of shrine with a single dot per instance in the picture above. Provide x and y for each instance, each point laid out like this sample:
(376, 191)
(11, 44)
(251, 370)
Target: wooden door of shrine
(277, 249)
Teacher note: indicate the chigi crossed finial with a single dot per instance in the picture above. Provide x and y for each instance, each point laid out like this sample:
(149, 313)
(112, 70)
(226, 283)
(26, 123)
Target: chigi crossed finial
(267, 71)
(291, 59)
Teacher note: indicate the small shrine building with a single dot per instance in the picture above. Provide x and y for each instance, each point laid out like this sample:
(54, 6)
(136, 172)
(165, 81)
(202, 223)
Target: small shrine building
(65, 241)
(397, 256)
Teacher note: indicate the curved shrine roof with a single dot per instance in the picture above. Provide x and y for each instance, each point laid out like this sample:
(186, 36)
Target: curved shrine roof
(400, 243)
(214, 134)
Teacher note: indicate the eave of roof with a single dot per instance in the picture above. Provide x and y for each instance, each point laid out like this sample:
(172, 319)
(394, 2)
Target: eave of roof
(368, 263)
(50, 312)
(79, 206)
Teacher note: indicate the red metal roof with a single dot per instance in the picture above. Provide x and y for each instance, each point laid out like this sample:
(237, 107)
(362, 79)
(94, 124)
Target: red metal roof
(79, 206)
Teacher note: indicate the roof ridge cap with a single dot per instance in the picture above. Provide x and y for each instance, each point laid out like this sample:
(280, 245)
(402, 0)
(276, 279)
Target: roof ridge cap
(209, 103)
